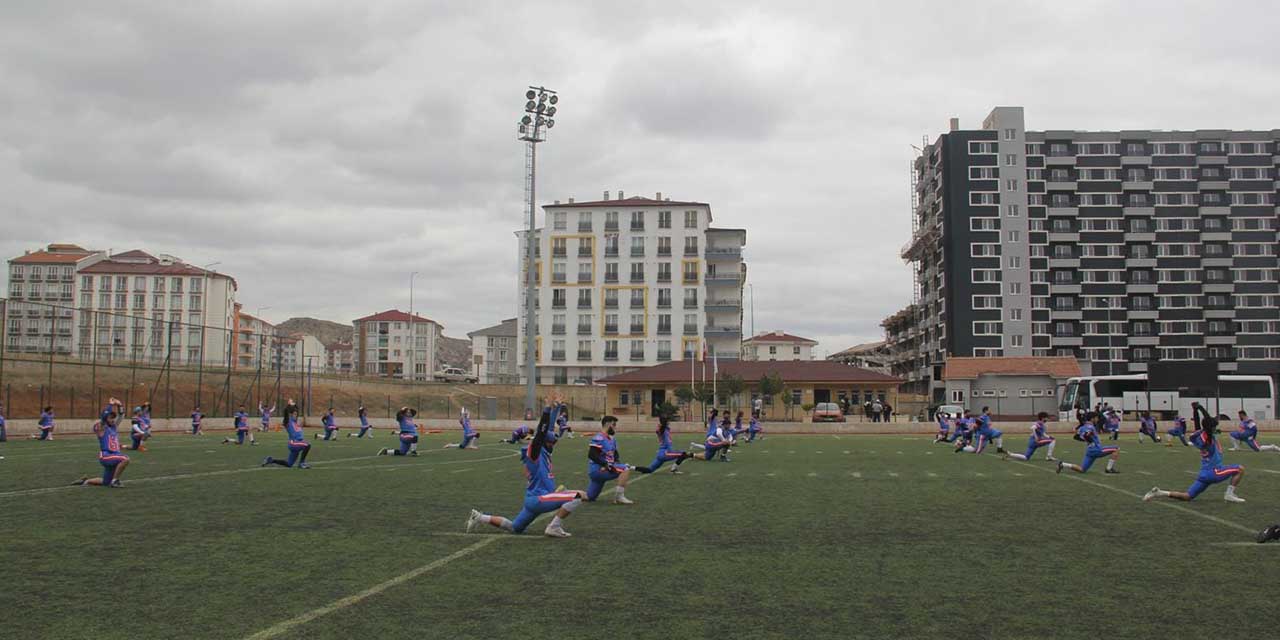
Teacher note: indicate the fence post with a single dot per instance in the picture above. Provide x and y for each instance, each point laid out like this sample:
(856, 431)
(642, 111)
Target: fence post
(388, 405)
(71, 412)
(42, 405)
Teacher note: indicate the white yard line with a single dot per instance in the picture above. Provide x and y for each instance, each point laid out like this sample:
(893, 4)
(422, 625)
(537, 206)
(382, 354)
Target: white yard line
(1164, 503)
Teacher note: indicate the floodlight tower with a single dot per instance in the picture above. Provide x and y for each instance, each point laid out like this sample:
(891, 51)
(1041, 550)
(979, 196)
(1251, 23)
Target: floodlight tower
(539, 111)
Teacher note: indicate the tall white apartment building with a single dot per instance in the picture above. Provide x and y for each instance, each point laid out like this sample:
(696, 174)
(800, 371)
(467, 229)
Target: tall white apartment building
(255, 342)
(392, 343)
(136, 306)
(296, 349)
(631, 282)
(42, 295)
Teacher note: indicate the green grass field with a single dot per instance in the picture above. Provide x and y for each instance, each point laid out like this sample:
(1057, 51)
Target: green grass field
(797, 537)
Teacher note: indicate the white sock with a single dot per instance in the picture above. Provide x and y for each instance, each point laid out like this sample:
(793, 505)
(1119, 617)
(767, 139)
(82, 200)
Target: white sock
(1268, 447)
(499, 522)
(621, 492)
(556, 523)
(1050, 451)
(698, 446)
(413, 448)
(1111, 464)
(1000, 442)
(1018, 456)
(1231, 490)
(1161, 493)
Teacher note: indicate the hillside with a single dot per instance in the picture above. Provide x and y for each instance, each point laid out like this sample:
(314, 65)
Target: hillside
(327, 331)
(455, 352)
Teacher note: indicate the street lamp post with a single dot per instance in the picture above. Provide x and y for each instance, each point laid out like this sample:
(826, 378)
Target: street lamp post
(539, 112)
(261, 340)
(413, 331)
(204, 315)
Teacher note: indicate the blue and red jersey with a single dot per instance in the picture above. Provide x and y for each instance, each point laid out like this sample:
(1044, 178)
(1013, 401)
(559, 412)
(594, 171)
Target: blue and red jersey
(1210, 452)
(538, 470)
(1089, 434)
(46, 420)
(1038, 431)
(1249, 428)
(467, 431)
(291, 426)
(664, 436)
(328, 421)
(407, 425)
(108, 440)
(196, 417)
(607, 446)
(242, 421)
(521, 432)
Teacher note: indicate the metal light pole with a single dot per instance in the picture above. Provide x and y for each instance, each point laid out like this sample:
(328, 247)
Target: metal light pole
(261, 340)
(413, 332)
(539, 109)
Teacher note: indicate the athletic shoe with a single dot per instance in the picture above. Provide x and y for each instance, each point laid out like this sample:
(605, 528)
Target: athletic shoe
(413, 453)
(303, 465)
(251, 442)
(675, 471)
(80, 482)
(1050, 459)
(622, 500)
(1060, 465)
(476, 519)
(116, 484)
(643, 470)
(1110, 471)
(1151, 495)
(267, 460)
(1000, 450)
(382, 452)
(1270, 533)
(555, 531)
(1231, 497)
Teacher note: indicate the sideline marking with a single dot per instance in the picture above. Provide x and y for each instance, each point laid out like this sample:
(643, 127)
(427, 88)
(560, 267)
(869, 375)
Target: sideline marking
(856, 474)
(1244, 544)
(1164, 503)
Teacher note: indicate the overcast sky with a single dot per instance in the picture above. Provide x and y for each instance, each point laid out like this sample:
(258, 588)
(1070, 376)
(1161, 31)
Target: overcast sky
(322, 151)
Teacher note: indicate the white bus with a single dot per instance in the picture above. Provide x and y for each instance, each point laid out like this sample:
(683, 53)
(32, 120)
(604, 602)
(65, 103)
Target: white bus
(1256, 395)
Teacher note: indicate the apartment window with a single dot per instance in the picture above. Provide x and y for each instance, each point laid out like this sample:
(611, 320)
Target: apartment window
(1010, 134)
(984, 224)
(1014, 236)
(584, 222)
(1011, 185)
(1140, 251)
(558, 299)
(984, 250)
(1015, 340)
(690, 324)
(584, 298)
(664, 272)
(1015, 314)
(664, 324)
(559, 221)
(637, 299)
(637, 272)
(637, 246)
(637, 353)
(664, 246)
(610, 272)
(637, 221)
(1013, 210)
(984, 173)
(1015, 288)
(584, 272)
(664, 219)
(611, 323)
(1014, 262)
(664, 298)
(987, 328)
(690, 298)
(690, 272)
(611, 221)
(981, 198)
(691, 246)
(558, 273)
(611, 353)
(611, 298)
(584, 349)
(691, 219)
(637, 323)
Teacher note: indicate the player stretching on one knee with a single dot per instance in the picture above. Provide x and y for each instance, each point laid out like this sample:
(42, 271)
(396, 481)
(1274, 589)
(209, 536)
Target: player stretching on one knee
(1112, 422)
(364, 424)
(138, 431)
(666, 451)
(987, 433)
(1248, 434)
(408, 434)
(242, 429)
(562, 425)
(45, 425)
(540, 495)
(1088, 434)
(604, 463)
(1212, 471)
(518, 434)
(1147, 427)
(965, 428)
(330, 424)
(715, 442)
(298, 445)
(754, 430)
(469, 435)
(197, 422)
(109, 456)
(944, 427)
(1179, 431)
(265, 412)
(1039, 438)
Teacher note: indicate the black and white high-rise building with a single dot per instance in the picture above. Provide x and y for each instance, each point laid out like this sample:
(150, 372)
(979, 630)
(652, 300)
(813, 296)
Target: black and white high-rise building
(1117, 247)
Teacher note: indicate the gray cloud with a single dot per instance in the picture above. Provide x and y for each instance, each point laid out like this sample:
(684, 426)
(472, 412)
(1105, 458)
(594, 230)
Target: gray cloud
(322, 151)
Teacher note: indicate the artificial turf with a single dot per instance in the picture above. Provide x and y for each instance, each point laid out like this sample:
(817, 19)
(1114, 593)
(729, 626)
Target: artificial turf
(797, 537)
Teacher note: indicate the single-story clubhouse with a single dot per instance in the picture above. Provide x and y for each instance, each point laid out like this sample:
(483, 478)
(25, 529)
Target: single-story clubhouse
(806, 381)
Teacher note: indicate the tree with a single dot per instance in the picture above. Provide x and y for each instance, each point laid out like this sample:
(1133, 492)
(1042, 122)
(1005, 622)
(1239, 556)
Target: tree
(732, 386)
(668, 410)
(787, 401)
(684, 394)
(771, 384)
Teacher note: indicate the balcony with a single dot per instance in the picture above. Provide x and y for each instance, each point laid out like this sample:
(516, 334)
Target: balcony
(584, 304)
(664, 356)
(664, 330)
(690, 252)
(664, 252)
(611, 356)
(637, 252)
(557, 330)
(610, 252)
(585, 252)
(584, 356)
(610, 277)
(611, 226)
(584, 278)
(637, 329)
(559, 278)
(637, 278)
(690, 304)
(559, 252)
(584, 329)
(557, 356)
(689, 278)
(611, 329)
(664, 277)
(637, 225)
(558, 304)
(611, 303)
(584, 227)
(723, 305)
(664, 304)
(691, 330)
(637, 357)
(722, 278)
(724, 253)
(719, 331)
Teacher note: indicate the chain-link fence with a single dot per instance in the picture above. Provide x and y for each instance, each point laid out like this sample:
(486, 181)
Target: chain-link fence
(73, 360)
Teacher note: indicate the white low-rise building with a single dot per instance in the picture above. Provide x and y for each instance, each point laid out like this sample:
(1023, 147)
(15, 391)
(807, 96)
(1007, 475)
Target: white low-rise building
(777, 345)
(392, 343)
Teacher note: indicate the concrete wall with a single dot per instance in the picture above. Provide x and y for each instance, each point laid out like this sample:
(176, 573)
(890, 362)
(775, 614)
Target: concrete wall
(1012, 402)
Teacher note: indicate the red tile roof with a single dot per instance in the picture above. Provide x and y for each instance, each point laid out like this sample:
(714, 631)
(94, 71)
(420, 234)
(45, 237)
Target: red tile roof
(779, 336)
(633, 201)
(54, 254)
(1052, 366)
(751, 371)
(393, 315)
(151, 267)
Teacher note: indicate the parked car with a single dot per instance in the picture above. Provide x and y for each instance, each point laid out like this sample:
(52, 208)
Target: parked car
(828, 412)
(454, 374)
